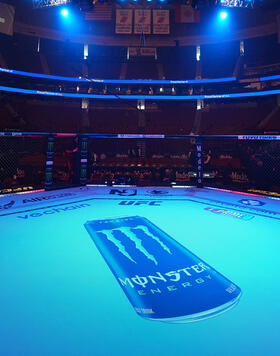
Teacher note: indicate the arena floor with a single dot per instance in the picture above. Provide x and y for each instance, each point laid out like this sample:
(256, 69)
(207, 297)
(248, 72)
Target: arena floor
(59, 298)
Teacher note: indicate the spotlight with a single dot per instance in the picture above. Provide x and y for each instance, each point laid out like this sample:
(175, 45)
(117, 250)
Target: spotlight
(64, 12)
(223, 15)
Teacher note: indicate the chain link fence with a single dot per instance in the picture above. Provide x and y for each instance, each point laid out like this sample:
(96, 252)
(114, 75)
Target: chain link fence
(242, 164)
(22, 162)
(248, 163)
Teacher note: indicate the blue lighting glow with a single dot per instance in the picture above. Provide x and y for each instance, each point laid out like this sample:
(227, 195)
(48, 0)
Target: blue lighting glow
(64, 12)
(271, 77)
(147, 97)
(116, 81)
(223, 15)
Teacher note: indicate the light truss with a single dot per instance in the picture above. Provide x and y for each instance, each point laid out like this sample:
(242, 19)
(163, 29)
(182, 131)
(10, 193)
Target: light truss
(237, 3)
(48, 3)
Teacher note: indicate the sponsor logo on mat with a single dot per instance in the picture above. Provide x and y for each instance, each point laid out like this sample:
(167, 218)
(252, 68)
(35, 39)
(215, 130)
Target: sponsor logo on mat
(123, 192)
(251, 202)
(163, 280)
(7, 205)
(47, 197)
(231, 213)
(141, 202)
(53, 211)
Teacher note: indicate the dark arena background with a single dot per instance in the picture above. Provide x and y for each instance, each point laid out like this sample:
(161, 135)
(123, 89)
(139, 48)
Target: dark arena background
(139, 177)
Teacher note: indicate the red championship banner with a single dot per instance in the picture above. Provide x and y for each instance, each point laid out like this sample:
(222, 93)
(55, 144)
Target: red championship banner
(161, 22)
(142, 51)
(142, 21)
(148, 52)
(133, 51)
(124, 21)
(186, 14)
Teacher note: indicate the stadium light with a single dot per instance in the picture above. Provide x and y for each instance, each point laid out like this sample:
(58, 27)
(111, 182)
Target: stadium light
(64, 12)
(223, 15)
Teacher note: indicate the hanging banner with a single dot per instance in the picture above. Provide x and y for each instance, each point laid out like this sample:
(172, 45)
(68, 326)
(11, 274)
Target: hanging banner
(161, 22)
(124, 21)
(148, 52)
(7, 14)
(142, 51)
(186, 14)
(133, 52)
(142, 21)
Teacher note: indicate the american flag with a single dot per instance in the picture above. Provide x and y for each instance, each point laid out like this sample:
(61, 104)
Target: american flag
(100, 12)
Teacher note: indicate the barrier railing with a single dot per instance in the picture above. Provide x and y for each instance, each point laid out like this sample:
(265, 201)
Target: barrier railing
(117, 81)
(30, 160)
(163, 96)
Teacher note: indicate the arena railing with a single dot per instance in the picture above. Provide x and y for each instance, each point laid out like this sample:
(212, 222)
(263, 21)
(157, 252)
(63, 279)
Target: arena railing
(39, 160)
(143, 97)
(129, 81)
(116, 81)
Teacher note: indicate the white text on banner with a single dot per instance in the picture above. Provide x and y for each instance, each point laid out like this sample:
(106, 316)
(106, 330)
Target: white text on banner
(161, 22)
(124, 21)
(142, 21)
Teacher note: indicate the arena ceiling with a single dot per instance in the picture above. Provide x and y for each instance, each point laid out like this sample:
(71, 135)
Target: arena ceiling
(264, 4)
(48, 18)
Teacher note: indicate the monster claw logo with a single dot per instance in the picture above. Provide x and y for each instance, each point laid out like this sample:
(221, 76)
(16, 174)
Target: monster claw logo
(110, 236)
(162, 279)
(131, 233)
(7, 206)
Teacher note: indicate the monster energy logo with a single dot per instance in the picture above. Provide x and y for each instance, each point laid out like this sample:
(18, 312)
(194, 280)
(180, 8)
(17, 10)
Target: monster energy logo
(188, 277)
(131, 233)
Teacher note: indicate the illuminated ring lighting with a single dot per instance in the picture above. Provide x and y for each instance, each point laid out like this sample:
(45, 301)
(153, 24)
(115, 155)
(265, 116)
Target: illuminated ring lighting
(116, 81)
(271, 77)
(119, 81)
(146, 97)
